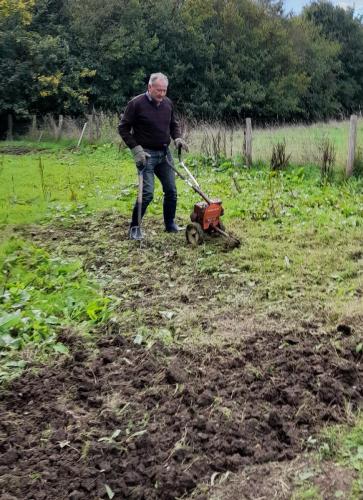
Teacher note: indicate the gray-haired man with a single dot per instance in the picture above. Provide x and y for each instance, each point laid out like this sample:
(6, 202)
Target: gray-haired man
(147, 127)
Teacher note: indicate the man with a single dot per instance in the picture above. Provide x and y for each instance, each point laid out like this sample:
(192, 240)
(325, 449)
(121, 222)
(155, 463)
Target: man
(147, 127)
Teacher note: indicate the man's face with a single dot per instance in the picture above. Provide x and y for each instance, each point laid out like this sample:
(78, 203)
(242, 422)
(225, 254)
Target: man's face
(158, 90)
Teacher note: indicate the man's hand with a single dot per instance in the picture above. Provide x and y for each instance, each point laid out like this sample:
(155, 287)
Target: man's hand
(180, 143)
(140, 156)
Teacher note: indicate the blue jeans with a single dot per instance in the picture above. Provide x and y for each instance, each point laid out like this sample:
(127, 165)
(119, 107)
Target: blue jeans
(157, 165)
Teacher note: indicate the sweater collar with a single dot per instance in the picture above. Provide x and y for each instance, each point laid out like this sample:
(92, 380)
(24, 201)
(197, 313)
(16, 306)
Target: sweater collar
(151, 100)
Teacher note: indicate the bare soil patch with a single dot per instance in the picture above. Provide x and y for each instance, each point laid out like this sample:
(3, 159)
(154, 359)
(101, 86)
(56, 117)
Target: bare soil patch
(155, 424)
(20, 150)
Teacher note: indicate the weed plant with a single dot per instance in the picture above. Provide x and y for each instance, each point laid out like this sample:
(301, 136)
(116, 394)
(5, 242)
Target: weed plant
(39, 294)
(279, 159)
(327, 160)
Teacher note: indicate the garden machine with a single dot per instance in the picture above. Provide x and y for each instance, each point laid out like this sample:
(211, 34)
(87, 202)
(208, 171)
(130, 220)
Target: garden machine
(206, 216)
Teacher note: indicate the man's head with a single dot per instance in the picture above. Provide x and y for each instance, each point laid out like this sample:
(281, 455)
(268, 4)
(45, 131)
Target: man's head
(158, 85)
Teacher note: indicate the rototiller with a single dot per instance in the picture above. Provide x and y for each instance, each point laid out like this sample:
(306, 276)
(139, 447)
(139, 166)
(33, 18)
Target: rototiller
(206, 216)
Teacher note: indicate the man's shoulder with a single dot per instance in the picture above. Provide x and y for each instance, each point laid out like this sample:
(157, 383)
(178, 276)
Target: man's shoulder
(137, 99)
(135, 102)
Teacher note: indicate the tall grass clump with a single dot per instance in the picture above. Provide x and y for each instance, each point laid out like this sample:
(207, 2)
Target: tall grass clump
(279, 158)
(43, 184)
(327, 160)
(358, 163)
(214, 141)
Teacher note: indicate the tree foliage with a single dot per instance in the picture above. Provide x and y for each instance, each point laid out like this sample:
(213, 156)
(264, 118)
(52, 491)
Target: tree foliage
(40, 72)
(342, 27)
(226, 59)
(20, 8)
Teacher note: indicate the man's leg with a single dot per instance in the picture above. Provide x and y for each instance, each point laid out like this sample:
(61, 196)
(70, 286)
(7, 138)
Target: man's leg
(147, 191)
(167, 179)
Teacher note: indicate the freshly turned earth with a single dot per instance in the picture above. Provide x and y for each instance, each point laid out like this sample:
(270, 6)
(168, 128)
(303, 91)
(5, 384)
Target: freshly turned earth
(177, 416)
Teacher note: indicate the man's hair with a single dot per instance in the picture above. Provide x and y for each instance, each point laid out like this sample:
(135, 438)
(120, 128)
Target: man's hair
(158, 76)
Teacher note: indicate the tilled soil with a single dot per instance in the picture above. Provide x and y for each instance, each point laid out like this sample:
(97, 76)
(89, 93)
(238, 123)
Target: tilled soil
(156, 423)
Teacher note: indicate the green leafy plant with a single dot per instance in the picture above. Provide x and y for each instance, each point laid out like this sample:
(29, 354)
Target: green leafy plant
(40, 294)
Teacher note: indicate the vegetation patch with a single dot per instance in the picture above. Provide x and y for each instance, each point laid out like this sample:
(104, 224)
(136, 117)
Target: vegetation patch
(40, 294)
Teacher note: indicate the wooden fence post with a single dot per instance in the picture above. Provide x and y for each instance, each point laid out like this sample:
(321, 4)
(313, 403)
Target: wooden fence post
(9, 134)
(33, 129)
(59, 128)
(248, 142)
(53, 125)
(352, 145)
(97, 124)
(91, 128)
(81, 137)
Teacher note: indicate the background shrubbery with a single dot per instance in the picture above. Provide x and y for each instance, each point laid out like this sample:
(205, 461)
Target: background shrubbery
(225, 59)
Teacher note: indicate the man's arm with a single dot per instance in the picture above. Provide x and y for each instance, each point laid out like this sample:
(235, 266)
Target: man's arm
(124, 128)
(126, 125)
(174, 125)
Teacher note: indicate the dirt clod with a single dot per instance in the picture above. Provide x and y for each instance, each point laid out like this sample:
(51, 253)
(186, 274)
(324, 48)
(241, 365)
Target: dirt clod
(175, 373)
(344, 329)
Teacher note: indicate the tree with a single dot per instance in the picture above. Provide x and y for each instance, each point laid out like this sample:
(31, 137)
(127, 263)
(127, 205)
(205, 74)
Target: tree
(343, 27)
(226, 59)
(39, 72)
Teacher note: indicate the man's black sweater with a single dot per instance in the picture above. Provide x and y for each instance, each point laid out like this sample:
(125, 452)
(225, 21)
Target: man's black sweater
(148, 124)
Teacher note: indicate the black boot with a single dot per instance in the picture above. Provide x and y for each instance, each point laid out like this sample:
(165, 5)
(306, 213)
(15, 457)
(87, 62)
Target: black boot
(173, 228)
(169, 208)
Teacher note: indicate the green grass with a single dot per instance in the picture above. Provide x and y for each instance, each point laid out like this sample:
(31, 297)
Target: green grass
(36, 146)
(39, 293)
(344, 445)
(72, 180)
(310, 493)
(341, 448)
